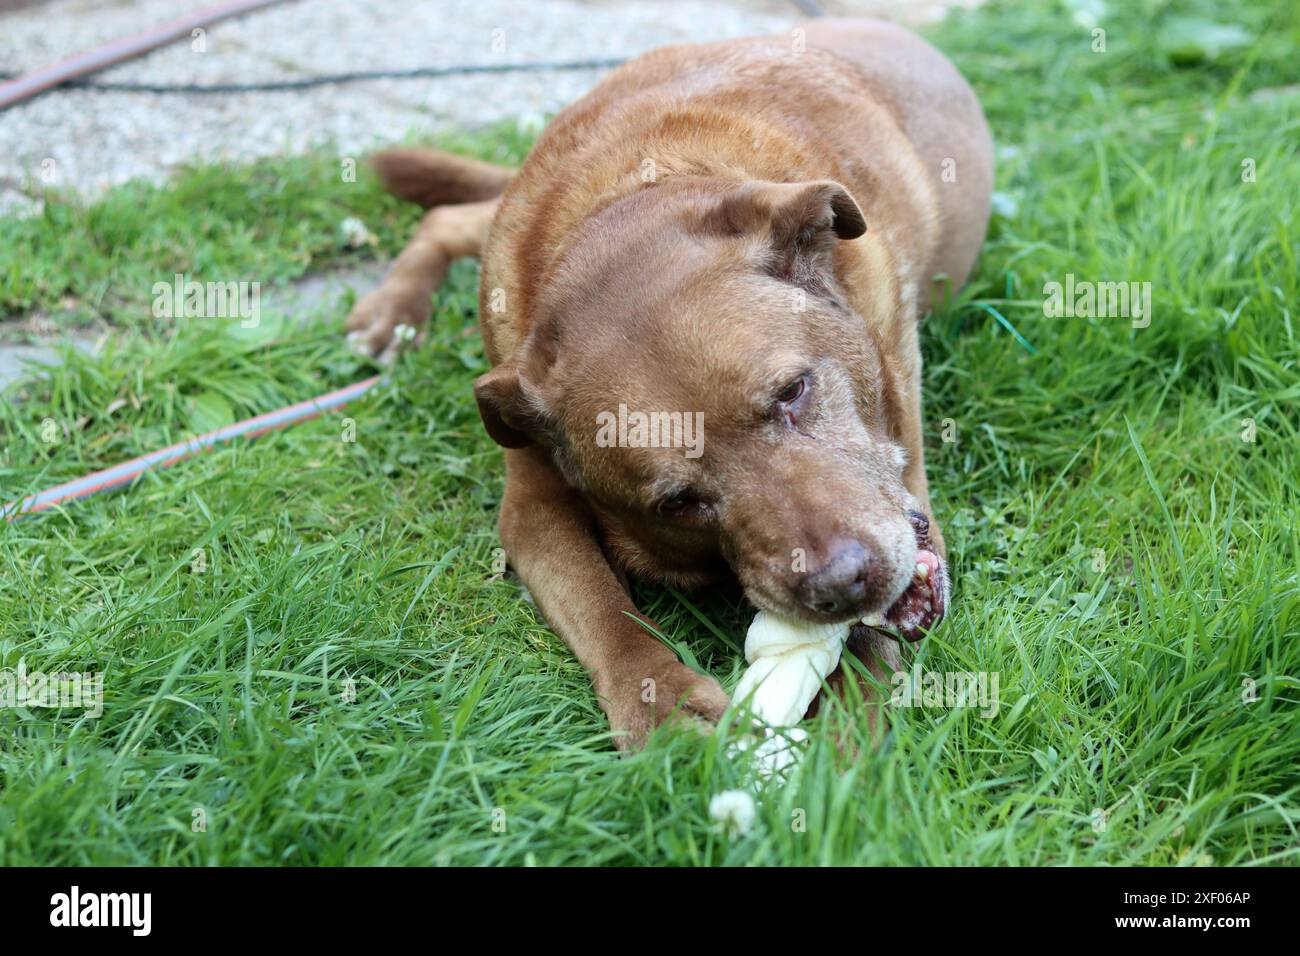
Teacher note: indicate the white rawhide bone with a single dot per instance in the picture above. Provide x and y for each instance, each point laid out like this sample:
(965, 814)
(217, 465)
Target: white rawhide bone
(788, 662)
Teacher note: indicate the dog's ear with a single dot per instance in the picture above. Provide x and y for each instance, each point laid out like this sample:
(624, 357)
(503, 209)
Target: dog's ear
(512, 410)
(800, 211)
(803, 220)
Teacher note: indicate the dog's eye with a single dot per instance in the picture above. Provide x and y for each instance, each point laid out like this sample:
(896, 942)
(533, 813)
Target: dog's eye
(793, 392)
(679, 504)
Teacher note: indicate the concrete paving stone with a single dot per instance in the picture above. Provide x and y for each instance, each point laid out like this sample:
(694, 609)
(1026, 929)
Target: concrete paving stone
(101, 139)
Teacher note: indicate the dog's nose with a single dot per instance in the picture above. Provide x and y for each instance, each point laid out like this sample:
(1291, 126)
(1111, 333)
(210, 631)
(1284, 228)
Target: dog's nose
(840, 583)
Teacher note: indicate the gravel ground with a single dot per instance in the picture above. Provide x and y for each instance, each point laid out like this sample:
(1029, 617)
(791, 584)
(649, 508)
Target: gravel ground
(99, 139)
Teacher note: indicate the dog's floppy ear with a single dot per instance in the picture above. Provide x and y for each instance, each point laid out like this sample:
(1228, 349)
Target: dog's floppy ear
(513, 412)
(803, 220)
(801, 210)
(795, 212)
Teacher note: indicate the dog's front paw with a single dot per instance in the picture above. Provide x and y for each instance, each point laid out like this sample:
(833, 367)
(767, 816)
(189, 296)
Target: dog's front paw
(388, 320)
(639, 699)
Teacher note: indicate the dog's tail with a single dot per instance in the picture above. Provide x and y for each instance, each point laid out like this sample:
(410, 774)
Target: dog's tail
(430, 178)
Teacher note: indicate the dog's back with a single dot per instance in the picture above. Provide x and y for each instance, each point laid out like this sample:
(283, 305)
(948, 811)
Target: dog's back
(863, 103)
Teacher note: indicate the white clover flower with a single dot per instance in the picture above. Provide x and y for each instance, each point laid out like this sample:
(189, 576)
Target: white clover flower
(355, 233)
(735, 810)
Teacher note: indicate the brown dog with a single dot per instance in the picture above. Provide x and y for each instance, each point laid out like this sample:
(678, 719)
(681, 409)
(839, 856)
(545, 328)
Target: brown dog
(700, 297)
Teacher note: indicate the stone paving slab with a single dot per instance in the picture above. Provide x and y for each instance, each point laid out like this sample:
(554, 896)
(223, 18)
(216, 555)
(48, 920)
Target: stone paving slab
(100, 139)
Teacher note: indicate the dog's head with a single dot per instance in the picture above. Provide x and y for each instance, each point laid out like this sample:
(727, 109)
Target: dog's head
(698, 374)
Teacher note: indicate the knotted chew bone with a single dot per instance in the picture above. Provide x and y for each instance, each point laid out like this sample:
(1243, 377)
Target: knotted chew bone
(788, 662)
(789, 659)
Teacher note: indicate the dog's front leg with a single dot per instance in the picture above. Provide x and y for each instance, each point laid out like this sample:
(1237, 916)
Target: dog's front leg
(550, 538)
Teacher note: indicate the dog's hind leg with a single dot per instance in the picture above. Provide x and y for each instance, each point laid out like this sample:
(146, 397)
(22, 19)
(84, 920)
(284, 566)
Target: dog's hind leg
(393, 316)
(549, 537)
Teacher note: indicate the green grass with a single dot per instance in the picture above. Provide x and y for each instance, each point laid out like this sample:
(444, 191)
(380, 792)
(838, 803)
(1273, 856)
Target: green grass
(270, 222)
(348, 680)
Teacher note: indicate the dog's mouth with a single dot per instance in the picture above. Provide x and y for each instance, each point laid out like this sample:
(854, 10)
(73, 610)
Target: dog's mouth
(925, 601)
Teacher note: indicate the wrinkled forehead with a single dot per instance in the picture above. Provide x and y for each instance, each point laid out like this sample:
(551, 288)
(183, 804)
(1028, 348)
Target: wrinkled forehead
(653, 412)
(707, 333)
(627, 283)
(663, 390)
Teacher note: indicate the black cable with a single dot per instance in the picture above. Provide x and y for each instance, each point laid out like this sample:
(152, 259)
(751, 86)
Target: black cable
(330, 78)
(809, 7)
